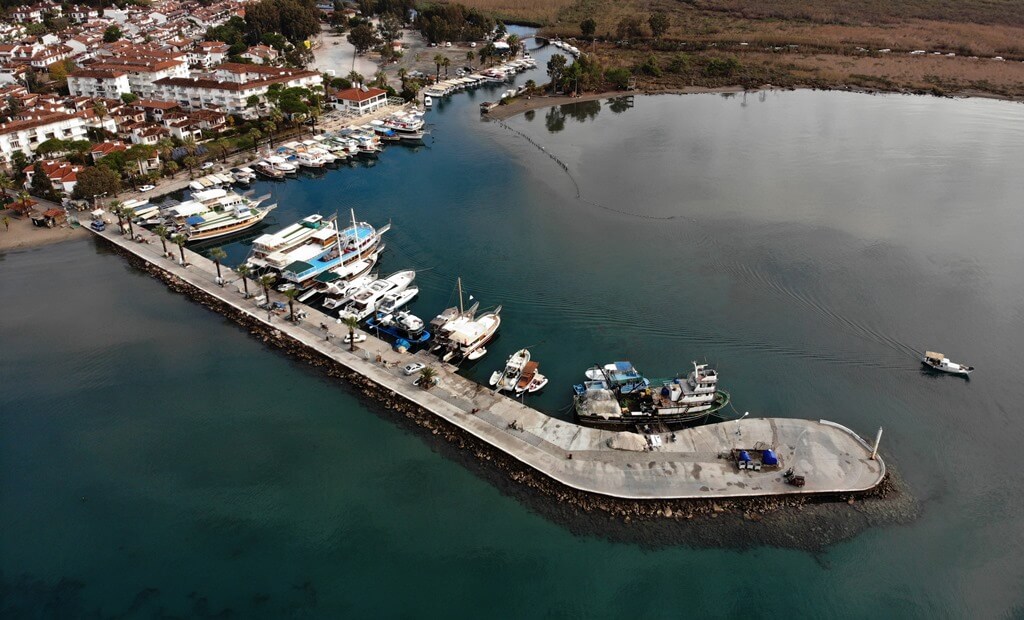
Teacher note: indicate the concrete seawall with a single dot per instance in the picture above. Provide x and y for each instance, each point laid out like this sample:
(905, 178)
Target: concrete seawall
(577, 459)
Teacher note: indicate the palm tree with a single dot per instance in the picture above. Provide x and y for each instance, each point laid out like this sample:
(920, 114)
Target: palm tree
(217, 255)
(470, 56)
(266, 281)
(269, 127)
(163, 232)
(244, 270)
(118, 207)
(291, 294)
(427, 377)
(355, 77)
(447, 62)
(351, 323)
(402, 74)
(438, 61)
(255, 135)
(381, 78)
(513, 44)
(180, 240)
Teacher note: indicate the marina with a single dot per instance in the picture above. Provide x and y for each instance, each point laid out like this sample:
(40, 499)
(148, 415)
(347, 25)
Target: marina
(685, 464)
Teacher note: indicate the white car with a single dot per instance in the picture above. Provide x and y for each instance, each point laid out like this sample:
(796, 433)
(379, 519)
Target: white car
(147, 188)
(473, 44)
(206, 166)
(447, 43)
(413, 368)
(358, 338)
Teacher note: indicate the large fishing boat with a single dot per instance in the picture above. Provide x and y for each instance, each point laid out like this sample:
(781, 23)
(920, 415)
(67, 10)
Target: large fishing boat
(277, 245)
(355, 243)
(602, 402)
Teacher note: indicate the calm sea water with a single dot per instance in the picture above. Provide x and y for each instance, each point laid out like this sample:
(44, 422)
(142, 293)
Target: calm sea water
(156, 460)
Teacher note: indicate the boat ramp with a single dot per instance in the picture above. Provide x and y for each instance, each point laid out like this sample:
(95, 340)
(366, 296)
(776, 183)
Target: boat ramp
(688, 464)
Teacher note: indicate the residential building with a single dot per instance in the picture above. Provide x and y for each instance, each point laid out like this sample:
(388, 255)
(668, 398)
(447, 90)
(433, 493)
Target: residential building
(62, 175)
(26, 133)
(230, 86)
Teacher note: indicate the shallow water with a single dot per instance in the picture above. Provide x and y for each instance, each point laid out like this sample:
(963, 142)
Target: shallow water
(155, 458)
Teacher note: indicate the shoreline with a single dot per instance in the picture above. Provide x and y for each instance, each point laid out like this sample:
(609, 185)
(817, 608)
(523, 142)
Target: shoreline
(521, 105)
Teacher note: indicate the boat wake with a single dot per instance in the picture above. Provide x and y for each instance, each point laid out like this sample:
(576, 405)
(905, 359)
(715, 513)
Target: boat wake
(579, 193)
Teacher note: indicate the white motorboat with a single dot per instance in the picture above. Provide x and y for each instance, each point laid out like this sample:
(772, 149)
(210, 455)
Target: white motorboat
(391, 302)
(340, 294)
(281, 165)
(428, 101)
(509, 378)
(941, 363)
(364, 303)
(465, 336)
(531, 380)
(307, 159)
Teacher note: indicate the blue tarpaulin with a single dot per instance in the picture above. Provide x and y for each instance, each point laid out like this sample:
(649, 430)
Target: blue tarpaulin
(769, 458)
(195, 219)
(744, 456)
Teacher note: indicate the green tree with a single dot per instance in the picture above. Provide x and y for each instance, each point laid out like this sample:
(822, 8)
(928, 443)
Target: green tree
(356, 78)
(163, 232)
(291, 294)
(96, 180)
(438, 61)
(619, 77)
(41, 185)
(190, 162)
(630, 27)
(217, 255)
(180, 240)
(514, 42)
(244, 270)
(470, 56)
(447, 62)
(112, 33)
(588, 27)
(255, 135)
(266, 281)
(659, 23)
(351, 323)
(427, 377)
(363, 38)
(6, 183)
(556, 68)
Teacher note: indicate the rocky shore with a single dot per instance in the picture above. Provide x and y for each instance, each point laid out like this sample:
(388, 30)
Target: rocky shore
(801, 521)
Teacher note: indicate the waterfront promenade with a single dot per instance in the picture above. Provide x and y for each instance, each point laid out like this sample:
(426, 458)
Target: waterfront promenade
(832, 458)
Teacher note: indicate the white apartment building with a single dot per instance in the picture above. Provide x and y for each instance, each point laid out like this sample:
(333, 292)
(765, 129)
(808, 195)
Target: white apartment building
(141, 74)
(26, 134)
(230, 86)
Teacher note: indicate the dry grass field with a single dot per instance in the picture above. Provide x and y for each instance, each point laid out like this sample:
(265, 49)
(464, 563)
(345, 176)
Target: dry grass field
(829, 36)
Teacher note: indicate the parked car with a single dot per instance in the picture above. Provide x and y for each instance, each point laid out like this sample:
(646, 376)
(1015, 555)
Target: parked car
(358, 338)
(206, 166)
(147, 188)
(472, 44)
(413, 368)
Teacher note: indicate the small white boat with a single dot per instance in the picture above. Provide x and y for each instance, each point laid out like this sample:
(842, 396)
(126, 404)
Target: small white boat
(508, 379)
(428, 101)
(531, 380)
(941, 363)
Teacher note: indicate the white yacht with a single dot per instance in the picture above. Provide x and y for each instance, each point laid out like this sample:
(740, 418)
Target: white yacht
(365, 302)
(391, 302)
(281, 165)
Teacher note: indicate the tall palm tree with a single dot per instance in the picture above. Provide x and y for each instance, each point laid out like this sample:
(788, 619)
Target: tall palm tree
(427, 377)
(266, 281)
(351, 323)
(513, 44)
(291, 294)
(269, 127)
(381, 78)
(118, 207)
(163, 232)
(447, 62)
(180, 241)
(470, 56)
(217, 255)
(402, 74)
(356, 78)
(255, 135)
(244, 270)
(438, 61)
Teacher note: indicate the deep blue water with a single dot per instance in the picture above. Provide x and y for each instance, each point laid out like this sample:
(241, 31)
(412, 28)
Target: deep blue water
(156, 460)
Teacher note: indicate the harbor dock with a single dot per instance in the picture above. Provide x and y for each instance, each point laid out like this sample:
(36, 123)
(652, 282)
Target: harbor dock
(686, 464)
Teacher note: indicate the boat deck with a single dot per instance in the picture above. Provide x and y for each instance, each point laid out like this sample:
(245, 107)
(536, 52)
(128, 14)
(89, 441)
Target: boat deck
(831, 457)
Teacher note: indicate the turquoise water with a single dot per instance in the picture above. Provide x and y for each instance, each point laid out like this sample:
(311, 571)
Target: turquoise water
(157, 460)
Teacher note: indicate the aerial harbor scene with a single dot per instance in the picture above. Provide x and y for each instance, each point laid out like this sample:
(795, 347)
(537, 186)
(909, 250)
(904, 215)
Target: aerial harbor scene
(412, 309)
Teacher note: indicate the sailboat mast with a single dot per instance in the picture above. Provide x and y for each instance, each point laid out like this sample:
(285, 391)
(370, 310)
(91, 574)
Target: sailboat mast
(337, 234)
(460, 295)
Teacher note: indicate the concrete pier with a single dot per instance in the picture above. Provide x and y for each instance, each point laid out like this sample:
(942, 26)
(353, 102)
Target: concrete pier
(832, 458)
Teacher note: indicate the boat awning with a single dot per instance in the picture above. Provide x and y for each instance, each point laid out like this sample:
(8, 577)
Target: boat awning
(195, 219)
(298, 267)
(933, 355)
(327, 277)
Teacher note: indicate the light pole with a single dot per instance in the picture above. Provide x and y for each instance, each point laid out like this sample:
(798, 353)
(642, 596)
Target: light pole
(739, 428)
